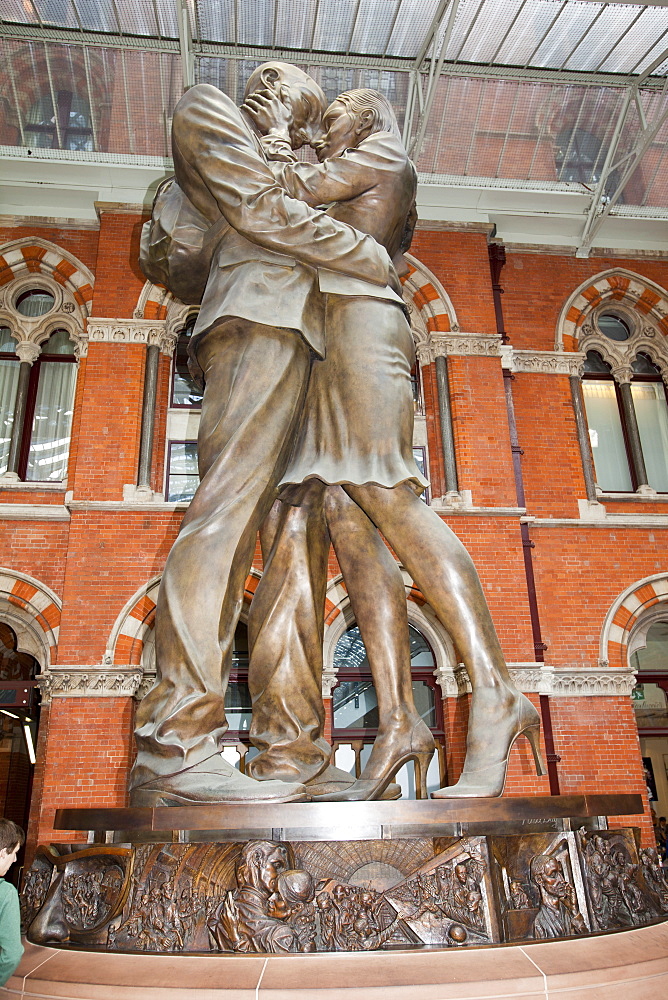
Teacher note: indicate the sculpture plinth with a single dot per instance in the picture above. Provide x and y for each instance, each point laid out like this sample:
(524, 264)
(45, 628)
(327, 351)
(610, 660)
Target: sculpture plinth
(326, 877)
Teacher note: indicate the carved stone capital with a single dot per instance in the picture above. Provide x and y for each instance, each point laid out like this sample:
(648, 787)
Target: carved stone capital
(95, 681)
(472, 344)
(28, 351)
(329, 681)
(131, 331)
(622, 373)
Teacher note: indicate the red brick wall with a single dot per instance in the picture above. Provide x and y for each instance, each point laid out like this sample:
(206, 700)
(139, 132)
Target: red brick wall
(119, 280)
(108, 452)
(468, 286)
(546, 428)
(480, 425)
(86, 760)
(536, 286)
(109, 558)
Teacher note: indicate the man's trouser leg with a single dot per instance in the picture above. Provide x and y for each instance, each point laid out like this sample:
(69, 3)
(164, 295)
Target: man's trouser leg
(256, 377)
(285, 632)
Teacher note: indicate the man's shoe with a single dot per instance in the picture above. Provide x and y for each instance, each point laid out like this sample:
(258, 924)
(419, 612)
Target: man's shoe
(212, 781)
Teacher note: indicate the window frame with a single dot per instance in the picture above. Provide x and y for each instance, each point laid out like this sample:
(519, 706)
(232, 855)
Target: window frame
(64, 99)
(168, 459)
(31, 399)
(420, 674)
(622, 355)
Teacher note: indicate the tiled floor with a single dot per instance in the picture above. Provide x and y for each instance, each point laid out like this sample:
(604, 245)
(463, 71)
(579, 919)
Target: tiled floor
(628, 966)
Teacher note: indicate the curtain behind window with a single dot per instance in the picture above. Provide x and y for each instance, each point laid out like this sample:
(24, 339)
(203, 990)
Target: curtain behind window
(50, 441)
(9, 376)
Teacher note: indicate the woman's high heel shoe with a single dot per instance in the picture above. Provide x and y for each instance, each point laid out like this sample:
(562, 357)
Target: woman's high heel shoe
(488, 780)
(419, 747)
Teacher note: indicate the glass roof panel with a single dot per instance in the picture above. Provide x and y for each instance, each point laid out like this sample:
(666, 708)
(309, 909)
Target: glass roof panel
(482, 43)
(613, 21)
(639, 40)
(217, 21)
(137, 17)
(373, 25)
(333, 26)
(411, 26)
(566, 33)
(528, 32)
(102, 17)
(18, 11)
(255, 23)
(60, 12)
(294, 28)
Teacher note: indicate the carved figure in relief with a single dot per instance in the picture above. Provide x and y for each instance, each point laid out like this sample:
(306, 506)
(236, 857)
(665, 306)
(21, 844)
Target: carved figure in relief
(611, 879)
(296, 890)
(326, 921)
(518, 897)
(558, 915)
(655, 877)
(245, 921)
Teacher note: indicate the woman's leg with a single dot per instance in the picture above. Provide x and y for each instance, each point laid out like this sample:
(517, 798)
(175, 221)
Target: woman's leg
(446, 575)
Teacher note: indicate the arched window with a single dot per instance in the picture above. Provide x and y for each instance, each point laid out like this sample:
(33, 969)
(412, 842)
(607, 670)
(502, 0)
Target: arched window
(19, 710)
(67, 126)
(626, 405)
(355, 705)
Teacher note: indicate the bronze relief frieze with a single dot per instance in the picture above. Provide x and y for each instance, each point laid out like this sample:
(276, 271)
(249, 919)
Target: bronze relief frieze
(277, 897)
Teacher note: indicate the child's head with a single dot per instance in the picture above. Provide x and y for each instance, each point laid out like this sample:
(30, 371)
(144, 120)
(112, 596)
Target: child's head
(11, 838)
(296, 887)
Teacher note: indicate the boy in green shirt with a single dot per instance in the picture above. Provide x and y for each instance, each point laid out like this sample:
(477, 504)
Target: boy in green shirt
(11, 949)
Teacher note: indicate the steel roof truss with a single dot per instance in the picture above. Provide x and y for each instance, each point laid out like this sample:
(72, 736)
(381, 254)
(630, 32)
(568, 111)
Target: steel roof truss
(431, 34)
(416, 145)
(602, 204)
(186, 43)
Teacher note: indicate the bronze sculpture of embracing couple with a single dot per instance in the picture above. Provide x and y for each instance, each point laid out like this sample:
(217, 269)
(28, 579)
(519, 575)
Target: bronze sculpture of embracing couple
(306, 432)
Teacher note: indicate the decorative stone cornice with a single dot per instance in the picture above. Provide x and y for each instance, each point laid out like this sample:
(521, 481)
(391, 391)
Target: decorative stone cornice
(542, 362)
(95, 681)
(530, 678)
(457, 343)
(132, 331)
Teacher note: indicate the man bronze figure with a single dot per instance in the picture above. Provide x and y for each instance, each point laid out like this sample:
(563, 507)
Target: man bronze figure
(260, 322)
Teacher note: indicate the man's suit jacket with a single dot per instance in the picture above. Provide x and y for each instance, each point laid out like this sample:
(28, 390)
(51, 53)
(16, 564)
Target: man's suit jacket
(265, 267)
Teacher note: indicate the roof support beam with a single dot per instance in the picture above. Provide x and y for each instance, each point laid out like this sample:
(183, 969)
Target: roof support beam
(601, 202)
(434, 75)
(186, 43)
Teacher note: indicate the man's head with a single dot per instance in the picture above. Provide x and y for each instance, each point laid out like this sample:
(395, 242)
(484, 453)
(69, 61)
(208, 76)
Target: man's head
(351, 118)
(546, 873)
(260, 864)
(298, 91)
(11, 838)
